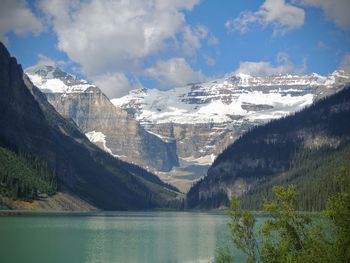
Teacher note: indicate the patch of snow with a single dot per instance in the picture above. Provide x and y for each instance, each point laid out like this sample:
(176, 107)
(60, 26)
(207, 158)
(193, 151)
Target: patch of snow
(203, 160)
(99, 137)
(57, 85)
(216, 102)
(50, 79)
(155, 134)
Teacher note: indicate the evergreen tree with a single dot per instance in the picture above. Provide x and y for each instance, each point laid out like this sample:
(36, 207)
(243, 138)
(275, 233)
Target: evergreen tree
(24, 177)
(290, 236)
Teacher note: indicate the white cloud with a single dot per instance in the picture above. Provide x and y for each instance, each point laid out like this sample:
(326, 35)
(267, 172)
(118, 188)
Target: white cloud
(242, 22)
(191, 40)
(16, 16)
(336, 10)
(107, 37)
(105, 34)
(174, 72)
(113, 85)
(209, 60)
(281, 15)
(193, 37)
(345, 63)
(265, 68)
(47, 61)
(102, 34)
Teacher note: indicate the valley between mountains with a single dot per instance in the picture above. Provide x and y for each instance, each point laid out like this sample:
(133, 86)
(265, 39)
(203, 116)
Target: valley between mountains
(64, 145)
(178, 133)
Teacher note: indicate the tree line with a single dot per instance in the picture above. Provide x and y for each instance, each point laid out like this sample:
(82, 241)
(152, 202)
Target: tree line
(24, 177)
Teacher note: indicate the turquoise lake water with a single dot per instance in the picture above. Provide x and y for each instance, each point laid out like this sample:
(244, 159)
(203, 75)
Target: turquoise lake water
(112, 237)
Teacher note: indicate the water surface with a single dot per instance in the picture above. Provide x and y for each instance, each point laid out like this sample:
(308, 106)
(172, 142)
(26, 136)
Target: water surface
(112, 237)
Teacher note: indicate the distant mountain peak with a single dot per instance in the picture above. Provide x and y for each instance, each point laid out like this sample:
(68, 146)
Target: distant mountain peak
(222, 99)
(52, 79)
(188, 125)
(86, 174)
(108, 126)
(341, 73)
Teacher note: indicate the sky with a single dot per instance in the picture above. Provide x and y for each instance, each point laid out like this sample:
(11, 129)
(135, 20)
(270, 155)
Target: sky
(121, 45)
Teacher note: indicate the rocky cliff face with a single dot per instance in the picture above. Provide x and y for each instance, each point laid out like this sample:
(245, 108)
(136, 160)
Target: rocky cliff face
(205, 118)
(28, 123)
(108, 126)
(197, 140)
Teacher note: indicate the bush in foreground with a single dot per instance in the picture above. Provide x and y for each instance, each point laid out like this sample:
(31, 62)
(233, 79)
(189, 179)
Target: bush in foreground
(290, 236)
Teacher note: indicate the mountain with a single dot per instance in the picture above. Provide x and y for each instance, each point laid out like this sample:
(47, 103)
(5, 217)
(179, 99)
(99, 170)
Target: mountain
(30, 125)
(178, 133)
(306, 148)
(108, 126)
(204, 118)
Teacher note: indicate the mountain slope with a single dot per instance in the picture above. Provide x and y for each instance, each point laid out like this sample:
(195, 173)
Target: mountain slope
(315, 175)
(24, 177)
(108, 126)
(30, 124)
(205, 118)
(279, 149)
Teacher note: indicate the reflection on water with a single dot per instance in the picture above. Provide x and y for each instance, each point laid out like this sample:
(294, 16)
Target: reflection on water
(112, 237)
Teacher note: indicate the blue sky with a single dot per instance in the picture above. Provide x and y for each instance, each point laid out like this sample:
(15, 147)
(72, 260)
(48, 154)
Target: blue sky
(120, 45)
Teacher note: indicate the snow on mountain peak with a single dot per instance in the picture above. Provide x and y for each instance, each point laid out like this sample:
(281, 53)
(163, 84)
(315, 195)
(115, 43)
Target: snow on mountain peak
(242, 79)
(235, 98)
(52, 79)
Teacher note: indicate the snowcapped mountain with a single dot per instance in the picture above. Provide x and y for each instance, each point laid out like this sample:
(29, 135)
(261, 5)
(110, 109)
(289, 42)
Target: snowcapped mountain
(51, 79)
(185, 128)
(205, 118)
(235, 98)
(87, 178)
(109, 127)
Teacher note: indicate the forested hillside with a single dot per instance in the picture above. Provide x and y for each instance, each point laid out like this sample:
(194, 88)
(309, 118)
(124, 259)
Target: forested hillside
(24, 177)
(314, 174)
(305, 148)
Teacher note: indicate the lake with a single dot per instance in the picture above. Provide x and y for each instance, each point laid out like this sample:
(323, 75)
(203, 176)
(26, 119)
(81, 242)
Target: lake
(112, 237)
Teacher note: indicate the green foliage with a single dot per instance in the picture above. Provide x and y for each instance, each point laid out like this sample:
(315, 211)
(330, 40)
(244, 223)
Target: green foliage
(242, 230)
(286, 221)
(24, 177)
(223, 255)
(338, 210)
(290, 236)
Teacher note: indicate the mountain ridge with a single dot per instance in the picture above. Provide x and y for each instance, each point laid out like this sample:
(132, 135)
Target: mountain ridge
(188, 126)
(286, 148)
(108, 126)
(205, 118)
(30, 124)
